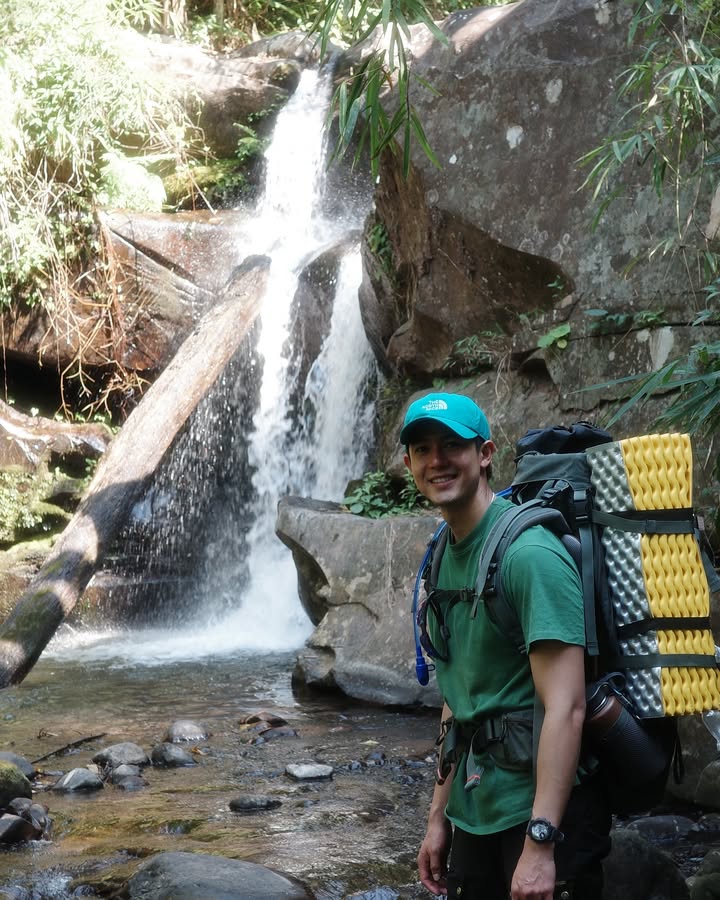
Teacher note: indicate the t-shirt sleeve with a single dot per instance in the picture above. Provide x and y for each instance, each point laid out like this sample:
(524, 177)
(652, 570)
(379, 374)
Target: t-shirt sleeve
(543, 584)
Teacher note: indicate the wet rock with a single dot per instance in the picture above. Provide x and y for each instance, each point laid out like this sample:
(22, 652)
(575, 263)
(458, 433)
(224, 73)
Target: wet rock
(78, 780)
(185, 730)
(707, 793)
(705, 887)
(376, 758)
(269, 719)
(271, 733)
(662, 829)
(12, 784)
(125, 753)
(188, 876)
(35, 813)
(706, 830)
(637, 869)
(15, 893)
(381, 893)
(171, 756)
(711, 864)
(14, 829)
(130, 783)
(308, 771)
(23, 764)
(251, 804)
(124, 771)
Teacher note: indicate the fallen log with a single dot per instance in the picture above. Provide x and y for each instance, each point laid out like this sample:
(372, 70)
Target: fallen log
(125, 470)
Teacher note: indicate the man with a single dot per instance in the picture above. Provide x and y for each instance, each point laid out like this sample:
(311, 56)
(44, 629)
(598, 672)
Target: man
(520, 823)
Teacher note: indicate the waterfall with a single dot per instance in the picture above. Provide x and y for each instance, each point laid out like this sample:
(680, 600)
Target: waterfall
(260, 434)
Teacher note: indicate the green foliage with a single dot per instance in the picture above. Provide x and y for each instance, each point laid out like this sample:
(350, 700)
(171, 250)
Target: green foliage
(471, 354)
(670, 129)
(22, 509)
(377, 495)
(378, 242)
(644, 318)
(672, 89)
(71, 106)
(357, 100)
(557, 337)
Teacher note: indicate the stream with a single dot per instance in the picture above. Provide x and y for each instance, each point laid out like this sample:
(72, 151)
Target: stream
(357, 831)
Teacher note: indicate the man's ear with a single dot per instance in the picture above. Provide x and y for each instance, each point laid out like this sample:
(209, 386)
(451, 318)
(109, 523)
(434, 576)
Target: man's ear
(406, 460)
(486, 452)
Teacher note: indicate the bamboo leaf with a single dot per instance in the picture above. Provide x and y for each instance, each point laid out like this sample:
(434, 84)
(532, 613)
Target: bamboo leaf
(422, 139)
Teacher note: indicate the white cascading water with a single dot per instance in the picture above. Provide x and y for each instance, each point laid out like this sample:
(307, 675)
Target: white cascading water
(289, 227)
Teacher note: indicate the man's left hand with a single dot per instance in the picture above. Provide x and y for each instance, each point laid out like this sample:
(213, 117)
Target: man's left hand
(534, 876)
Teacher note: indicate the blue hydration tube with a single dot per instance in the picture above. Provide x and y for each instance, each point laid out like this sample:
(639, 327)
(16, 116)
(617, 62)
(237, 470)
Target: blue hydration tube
(422, 667)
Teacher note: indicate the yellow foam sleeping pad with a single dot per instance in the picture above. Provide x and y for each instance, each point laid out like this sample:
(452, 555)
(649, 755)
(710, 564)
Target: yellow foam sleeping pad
(666, 577)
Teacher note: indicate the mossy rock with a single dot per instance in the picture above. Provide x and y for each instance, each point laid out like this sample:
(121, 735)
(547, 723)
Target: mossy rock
(12, 784)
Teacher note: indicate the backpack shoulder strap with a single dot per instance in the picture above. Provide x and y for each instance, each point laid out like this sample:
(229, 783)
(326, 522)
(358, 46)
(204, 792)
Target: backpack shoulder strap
(488, 586)
(436, 549)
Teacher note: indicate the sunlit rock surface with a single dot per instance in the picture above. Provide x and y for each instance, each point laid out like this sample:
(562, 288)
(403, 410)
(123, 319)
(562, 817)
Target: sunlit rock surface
(356, 579)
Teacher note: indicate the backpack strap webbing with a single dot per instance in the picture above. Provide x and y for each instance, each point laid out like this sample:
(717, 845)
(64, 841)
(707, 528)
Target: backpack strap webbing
(667, 660)
(680, 521)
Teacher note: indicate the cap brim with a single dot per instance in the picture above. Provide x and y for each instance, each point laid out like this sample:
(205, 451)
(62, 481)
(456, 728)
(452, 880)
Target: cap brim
(406, 435)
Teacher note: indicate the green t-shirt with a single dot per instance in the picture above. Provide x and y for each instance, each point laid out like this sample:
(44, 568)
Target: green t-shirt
(485, 675)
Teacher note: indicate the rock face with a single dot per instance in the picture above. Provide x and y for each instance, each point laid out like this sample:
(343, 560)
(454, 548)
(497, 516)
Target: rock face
(497, 244)
(355, 580)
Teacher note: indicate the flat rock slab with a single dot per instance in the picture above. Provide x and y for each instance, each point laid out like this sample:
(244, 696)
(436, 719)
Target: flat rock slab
(189, 876)
(308, 771)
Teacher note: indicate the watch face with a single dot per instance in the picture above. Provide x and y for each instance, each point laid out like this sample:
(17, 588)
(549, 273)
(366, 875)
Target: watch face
(540, 831)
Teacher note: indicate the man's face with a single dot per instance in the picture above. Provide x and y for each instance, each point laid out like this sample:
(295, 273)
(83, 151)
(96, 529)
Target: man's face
(446, 468)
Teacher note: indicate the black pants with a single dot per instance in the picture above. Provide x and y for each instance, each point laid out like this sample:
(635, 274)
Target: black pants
(482, 865)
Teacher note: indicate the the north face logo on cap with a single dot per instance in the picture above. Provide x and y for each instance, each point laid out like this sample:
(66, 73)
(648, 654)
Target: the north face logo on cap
(435, 404)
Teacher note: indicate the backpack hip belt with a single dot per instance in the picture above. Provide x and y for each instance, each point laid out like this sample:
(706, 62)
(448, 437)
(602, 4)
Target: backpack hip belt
(508, 738)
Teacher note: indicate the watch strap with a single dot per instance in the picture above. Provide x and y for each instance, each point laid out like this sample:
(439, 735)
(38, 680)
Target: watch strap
(543, 831)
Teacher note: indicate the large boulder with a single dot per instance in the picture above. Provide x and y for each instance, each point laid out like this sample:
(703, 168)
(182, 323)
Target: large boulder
(187, 876)
(224, 91)
(355, 578)
(496, 245)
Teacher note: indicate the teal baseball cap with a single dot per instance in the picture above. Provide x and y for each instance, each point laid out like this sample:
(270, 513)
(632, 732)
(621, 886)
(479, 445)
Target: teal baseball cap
(455, 411)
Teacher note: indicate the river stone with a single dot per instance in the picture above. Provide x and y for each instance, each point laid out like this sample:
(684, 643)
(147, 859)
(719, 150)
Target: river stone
(705, 887)
(36, 813)
(12, 784)
(637, 869)
(124, 771)
(707, 793)
(185, 730)
(250, 804)
(662, 829)
(710, 864)
(130, 783)
(189, 876)
(308, 771)
(170, 755)
(78, 780)
(14, 829)
(125, 753)
(706, 831)
(23, 764)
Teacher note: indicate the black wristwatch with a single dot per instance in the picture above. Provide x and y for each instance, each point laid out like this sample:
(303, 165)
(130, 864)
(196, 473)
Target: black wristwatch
(543, 832)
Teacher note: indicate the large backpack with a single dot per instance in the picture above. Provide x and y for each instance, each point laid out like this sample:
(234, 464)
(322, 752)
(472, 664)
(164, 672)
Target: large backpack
(624, 512)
